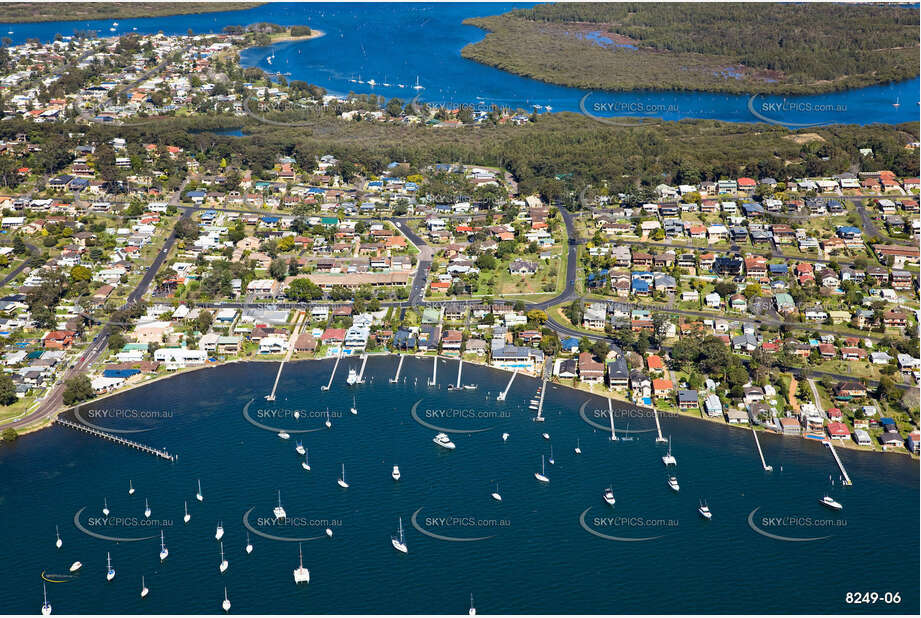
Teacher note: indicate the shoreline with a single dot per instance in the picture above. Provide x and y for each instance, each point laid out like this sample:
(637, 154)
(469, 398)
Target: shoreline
(850, 445)
(286, 38)
(123, 10)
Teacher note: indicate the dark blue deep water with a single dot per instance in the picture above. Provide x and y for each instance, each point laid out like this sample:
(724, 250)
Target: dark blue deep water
(537, 558)
(398, 43)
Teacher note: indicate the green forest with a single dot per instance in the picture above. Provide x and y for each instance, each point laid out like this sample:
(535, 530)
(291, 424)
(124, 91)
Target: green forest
(31, 12)
(556, 155)
(722, 47)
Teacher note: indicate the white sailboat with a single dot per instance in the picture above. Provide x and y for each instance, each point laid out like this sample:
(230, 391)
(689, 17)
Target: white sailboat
(329, 532)
(186, 517)
(198, 495)
(146, 509)
(328, 422)
(306, 463)
(219, 531)
(301, 575)
(46, 606)
(226, 603)
(279, 510)
(505, 437)
(550, 460)
(59, 542)
(354, 408)
(541, 476)
(472, 610)
(130, 488)
(249, 545)
(396, 473)
(76, 566)
(578, 449)
(224, 564)
(284, 435)
(668, 459)
(398, 542)
(300, 448)
(496, 495)
(110, 572)
(105, 507)
(341, 480)
(144, 590)
(163, 551)
(545, 435)
(418, 86)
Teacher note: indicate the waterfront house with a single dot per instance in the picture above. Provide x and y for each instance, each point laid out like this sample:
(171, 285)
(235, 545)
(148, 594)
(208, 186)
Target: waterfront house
(688, 400)
(590, 370)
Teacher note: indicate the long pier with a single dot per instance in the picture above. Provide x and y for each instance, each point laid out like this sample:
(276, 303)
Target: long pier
(291, 341)
(611, 418)
(434, 379)
(655, 414)
(361, 372)
(399, 368)
(847, 479)
(333, 374)
(460, 368)
(162, 454)
(760, 452)
(540, 404)
(503, 394)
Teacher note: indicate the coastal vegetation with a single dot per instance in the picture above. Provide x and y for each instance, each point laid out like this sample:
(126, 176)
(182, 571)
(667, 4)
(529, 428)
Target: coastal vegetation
(719, 47)
(31, 12)
(555, 155)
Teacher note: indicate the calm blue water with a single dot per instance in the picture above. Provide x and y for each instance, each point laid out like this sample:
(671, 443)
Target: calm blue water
(397, 43)
(538, 559)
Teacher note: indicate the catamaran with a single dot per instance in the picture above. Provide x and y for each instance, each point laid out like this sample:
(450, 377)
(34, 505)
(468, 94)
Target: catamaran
(105, 507)
(398, 542)
(668, 459)
(396, 473)
(300, 448)
(496, 495)
(301, 575)
(226, 603)
(279, 510)
(163, 551)
(144, 590)
(46, 606)
(130, 488)
(59, 542)
(224, 564)
(146, 509)
(443, 441)
(249, 545)
(110, 572)
(341, 480)
(198, 495)
(541, 476)
(186, 517)
(306, 463)
(219, 532)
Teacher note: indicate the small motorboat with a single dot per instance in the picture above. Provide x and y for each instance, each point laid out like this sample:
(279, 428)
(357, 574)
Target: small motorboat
(608, 496)
(396, 473)
(830, 503)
